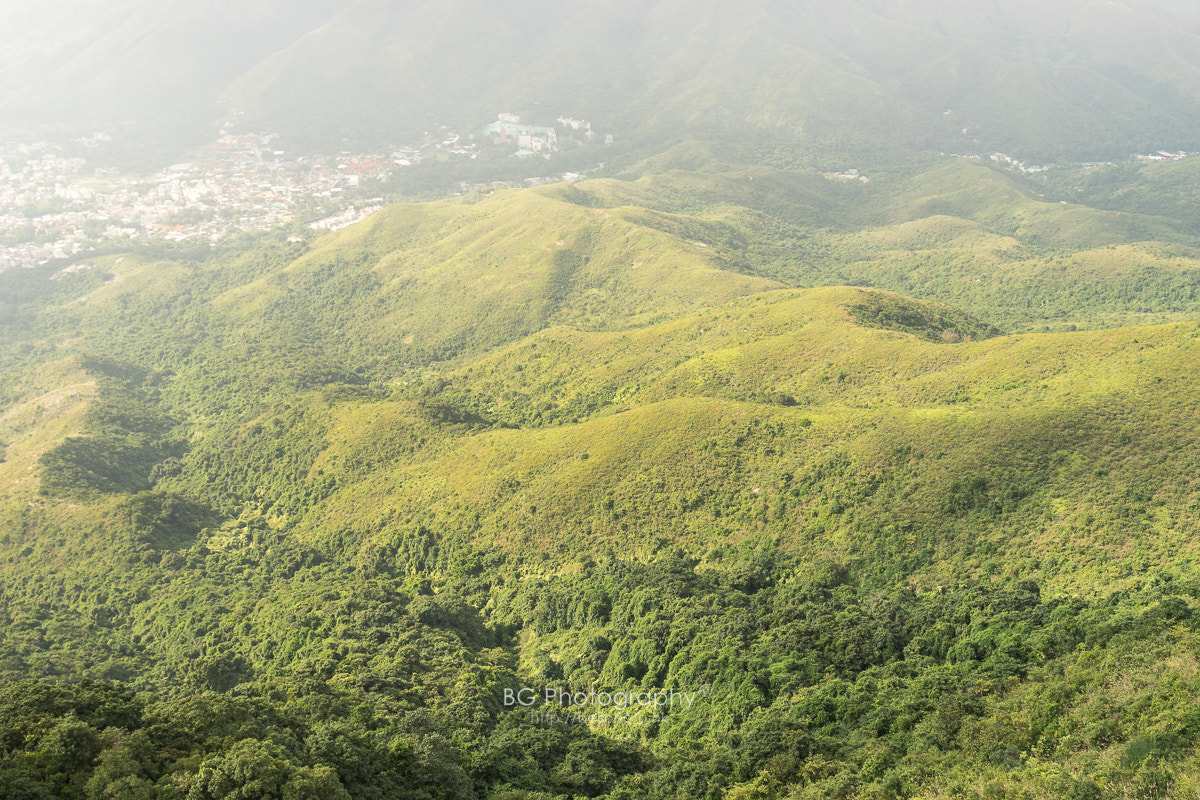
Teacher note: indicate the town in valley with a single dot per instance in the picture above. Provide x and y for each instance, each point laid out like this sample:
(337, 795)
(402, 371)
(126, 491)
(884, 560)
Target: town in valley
(56, 202)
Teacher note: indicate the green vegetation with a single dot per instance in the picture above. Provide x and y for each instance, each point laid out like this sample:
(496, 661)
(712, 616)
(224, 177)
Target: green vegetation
(127, 442)
(294, 521)
(927, 320)
(1164, 189)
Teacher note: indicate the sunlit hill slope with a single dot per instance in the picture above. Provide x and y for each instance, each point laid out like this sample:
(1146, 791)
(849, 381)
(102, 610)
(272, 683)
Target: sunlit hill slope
(621, 435)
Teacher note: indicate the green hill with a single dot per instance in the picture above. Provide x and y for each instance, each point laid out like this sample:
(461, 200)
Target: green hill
(308, 514)
(794, 459)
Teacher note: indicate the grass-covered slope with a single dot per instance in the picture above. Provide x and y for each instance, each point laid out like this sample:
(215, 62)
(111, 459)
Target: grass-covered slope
(780, 420)
(307, 511)
(1166, 189)
(961, 233)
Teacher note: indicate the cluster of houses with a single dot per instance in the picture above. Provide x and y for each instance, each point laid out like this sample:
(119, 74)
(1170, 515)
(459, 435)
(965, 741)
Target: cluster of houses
(1160, 155)
(1020, 166)
(534, 140)
(529, 139)
(848, 175)
(38, 179)
(53, 205)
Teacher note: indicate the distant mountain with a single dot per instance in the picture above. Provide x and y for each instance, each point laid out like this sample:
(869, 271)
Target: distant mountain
(1181, 6)
(1073, 78)
(149, 69)
(1076, 78)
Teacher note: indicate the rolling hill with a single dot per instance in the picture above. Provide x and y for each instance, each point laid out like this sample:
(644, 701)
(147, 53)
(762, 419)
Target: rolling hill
(306, 511)
(794, 458)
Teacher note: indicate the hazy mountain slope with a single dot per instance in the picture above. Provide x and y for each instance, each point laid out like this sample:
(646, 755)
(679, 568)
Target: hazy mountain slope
(1080, 79)
(833, 76)
(1181, 6)
(75, 63)
(380, 72)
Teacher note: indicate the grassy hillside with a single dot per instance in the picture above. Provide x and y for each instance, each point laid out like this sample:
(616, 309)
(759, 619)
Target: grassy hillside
(311, 512)
(1165, 189)
(561, 443)
(961, 233)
